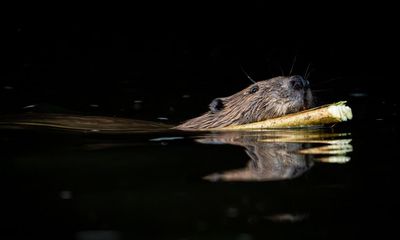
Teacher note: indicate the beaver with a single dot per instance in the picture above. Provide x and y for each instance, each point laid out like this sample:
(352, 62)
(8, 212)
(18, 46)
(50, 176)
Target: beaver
(262, 100)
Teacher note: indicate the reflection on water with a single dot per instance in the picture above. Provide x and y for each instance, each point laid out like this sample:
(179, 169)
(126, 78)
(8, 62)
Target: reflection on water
(81, 123)
(277, 154)
(178, 184)
(281, 154)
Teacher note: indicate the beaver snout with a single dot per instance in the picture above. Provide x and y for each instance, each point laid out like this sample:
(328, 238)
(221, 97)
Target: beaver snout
(297, 82)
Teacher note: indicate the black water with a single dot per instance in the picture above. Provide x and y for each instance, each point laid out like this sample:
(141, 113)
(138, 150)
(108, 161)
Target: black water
(172, 185)
(87, 186)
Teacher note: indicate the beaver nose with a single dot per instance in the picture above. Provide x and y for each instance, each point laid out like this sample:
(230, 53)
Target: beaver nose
(298, 82)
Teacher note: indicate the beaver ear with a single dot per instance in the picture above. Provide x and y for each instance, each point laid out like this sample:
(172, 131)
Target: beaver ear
(216, 105)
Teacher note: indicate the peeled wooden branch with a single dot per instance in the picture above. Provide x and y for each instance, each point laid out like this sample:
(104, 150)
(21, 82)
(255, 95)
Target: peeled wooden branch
(327, 114)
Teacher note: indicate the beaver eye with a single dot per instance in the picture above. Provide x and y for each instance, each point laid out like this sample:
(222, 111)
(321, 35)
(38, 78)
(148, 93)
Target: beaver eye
(254, 89)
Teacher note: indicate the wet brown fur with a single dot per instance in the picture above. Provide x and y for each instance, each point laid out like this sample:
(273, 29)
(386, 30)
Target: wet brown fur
(275, 97)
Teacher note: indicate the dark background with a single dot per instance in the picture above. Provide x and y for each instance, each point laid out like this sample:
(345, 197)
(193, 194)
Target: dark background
(171, 60)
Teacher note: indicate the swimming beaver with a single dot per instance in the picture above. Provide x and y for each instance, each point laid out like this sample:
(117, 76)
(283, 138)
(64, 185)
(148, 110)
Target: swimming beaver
(262, 100)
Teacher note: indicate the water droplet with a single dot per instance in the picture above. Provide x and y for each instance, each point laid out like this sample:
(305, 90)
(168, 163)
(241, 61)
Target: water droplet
(65, 194)
(232, 212)
(137, 104)
(358, 94)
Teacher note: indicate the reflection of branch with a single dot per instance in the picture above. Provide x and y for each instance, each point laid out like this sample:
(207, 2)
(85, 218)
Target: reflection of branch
(294, 140)
(333, 159)
(336, 148)
(329, 149)
(280, 154)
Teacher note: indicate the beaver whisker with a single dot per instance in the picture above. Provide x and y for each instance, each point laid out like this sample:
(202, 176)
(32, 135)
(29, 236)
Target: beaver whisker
(247, 75)
(291, 69)
(282, 72)
(306, 75)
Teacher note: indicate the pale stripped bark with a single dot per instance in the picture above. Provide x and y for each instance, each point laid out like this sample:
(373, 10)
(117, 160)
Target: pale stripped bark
(323, 115)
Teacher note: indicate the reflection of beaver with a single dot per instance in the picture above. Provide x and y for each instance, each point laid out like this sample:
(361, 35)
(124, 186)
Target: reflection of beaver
(263, 100)
(269, 160)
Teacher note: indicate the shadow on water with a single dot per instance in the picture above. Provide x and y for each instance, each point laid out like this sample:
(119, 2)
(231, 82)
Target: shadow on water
(86, 185)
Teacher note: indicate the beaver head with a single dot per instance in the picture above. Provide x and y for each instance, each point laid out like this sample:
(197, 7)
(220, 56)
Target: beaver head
(262, 100)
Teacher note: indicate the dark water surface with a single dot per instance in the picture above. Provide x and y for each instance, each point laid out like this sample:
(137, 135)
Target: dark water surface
(174, 185)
